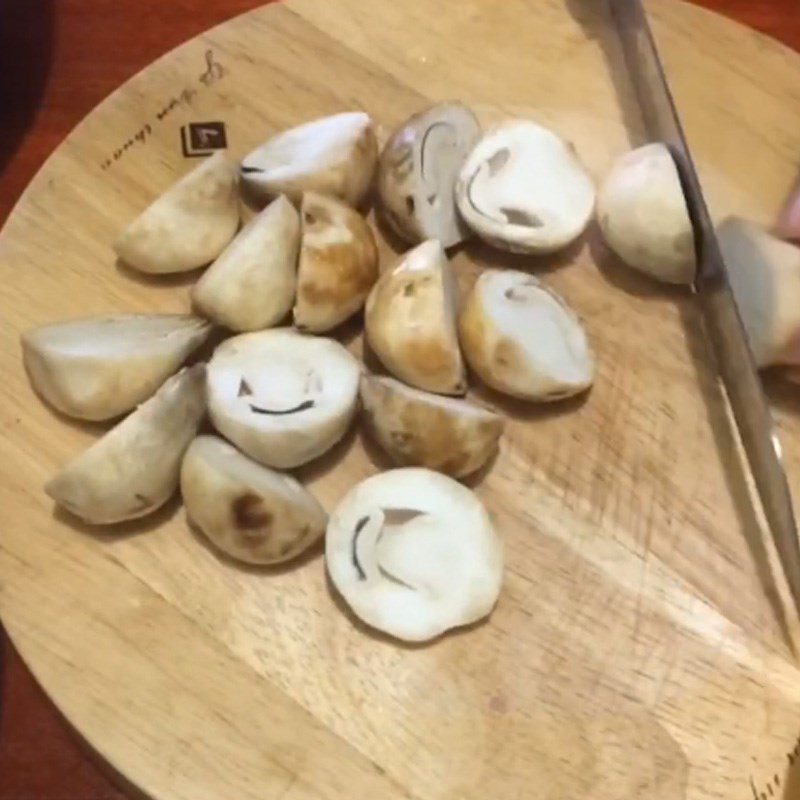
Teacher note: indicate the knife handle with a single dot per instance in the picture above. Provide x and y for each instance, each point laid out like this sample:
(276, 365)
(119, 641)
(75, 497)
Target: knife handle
(788, 226)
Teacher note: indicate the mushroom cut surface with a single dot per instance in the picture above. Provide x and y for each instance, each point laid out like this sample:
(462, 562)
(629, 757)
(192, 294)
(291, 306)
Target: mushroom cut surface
(282, 397)
(414, 554)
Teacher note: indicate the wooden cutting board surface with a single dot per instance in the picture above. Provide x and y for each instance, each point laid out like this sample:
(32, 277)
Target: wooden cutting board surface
(641, 646)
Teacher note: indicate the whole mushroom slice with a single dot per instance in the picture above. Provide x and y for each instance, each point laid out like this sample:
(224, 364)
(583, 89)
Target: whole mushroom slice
(99, 368)
(524, 189)
(134, 469)
(765, 277)
(338, 264)
(334, 155)
(189, 225)
(410, 321)
(248, 511)
(282, 397)
(419, 429)
(414, 554)
(417, 173)
(643, 216)
(251, 285)
(522, 339)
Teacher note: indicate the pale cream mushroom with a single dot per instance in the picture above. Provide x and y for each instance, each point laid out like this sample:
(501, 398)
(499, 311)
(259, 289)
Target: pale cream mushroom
(99, 368)
(282, 397)
(522, 339)
(334, 155)
(338, 264)
(414, 554)
(643, 216)
(134, 469)
(410, 321)
(419, 429)
(417, 173)
(248, 511)
(251, 285)
(189, 225)
(524, 189)
(765, 277)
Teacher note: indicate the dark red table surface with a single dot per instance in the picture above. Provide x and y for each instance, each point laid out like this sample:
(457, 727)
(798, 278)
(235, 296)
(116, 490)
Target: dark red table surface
(58, 59)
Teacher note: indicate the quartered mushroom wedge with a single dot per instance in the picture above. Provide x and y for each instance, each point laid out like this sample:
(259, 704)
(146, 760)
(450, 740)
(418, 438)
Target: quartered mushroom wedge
(189, 225)
(338, 264)
(410, 321)
(420, 429)
(414, 554)
(522, 339)
(134, 468)
(98, 368)
(282, 397)
(248, 511)
(417, 173)
(643, 216)
(524, 189)
(334, 155)
(251, 285)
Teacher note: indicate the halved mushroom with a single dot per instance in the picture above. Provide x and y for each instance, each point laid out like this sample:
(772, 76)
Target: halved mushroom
(524, 189)
(522, 339)
(101, 367)
(765, 277)
(334, 155)
(426, 430)
(643, 216)
(251, 285)
(410, 321)
(417, 173)
(134, 468)
(248, 511)
(338, 264)
(282, 397)
(189, 225)
(414, 554)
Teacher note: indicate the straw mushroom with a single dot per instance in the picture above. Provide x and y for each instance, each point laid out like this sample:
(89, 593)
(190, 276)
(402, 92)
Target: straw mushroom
(134, 468)
(524, 189)
(419, 429)
(281, 397)
(414, 554)
(522, 339)
(334, 155)
(410, 321)
(417, 173)
(338, 264)
(248, 511)
(189, 225)
(99, 368)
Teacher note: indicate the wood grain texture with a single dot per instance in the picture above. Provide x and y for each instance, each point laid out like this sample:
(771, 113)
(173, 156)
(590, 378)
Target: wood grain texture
(620, 657)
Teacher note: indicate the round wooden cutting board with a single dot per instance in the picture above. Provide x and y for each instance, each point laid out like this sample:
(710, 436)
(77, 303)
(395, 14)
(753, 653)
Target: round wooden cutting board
(641, 646)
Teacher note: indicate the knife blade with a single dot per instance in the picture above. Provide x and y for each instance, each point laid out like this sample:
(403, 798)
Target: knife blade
(723, 325)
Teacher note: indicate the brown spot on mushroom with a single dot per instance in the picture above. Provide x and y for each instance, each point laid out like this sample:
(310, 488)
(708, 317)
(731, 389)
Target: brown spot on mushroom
(409, 290)
(244, 389)
(431, 357)
(410, 204)
(498, 161)
(507, 357)
(249, 514)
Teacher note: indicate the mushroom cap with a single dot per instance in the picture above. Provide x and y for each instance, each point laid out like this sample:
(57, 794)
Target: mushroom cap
(414, 554)
(417, 173)
(248, 511)
(338, 264)
(410, 321)
(522, 339)
(764, 273)
(643, 216)
(98, 368)
(134, 468)
(189, 225)
(524, 189)
(419, 429)
(251, 285)
(281, 397)
(333, 155)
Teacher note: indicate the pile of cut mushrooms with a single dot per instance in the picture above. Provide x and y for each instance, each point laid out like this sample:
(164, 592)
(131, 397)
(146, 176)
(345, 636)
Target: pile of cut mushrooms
(413, 552)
